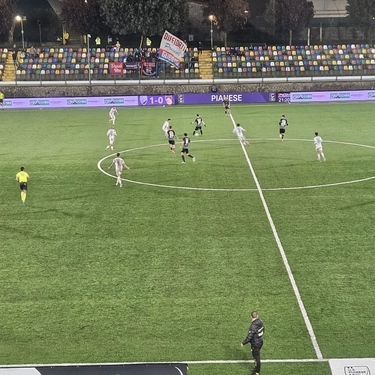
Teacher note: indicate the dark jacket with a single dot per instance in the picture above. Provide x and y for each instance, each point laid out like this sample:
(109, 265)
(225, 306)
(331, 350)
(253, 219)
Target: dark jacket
(255, 335)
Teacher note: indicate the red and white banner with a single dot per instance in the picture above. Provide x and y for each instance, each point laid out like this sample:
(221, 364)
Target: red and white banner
(172, 49)
(116, 68)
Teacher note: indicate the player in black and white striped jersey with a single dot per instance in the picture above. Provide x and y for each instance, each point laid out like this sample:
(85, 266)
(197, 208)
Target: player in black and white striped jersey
(283, 123)
(171, 135)
(185, 148)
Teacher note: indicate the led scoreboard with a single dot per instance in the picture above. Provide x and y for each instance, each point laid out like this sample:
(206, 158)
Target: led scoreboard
(154, 100)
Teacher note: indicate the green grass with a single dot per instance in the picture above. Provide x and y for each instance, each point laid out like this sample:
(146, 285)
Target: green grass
(91, 272)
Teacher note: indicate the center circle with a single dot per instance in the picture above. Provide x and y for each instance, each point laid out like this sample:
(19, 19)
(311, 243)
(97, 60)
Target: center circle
(235, 189)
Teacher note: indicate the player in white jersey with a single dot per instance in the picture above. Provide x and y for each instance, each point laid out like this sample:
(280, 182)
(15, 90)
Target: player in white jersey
(111, 134)
(119, 166)
(112, 116)
(319, 147)
(165, 127)
(238, 130)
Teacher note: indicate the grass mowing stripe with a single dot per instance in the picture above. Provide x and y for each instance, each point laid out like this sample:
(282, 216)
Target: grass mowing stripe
(283, 255)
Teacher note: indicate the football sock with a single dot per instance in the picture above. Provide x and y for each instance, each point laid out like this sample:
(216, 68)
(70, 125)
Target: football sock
(323, 156)
(183, 158)
(318, 156)
(191, 156)
(23, 196)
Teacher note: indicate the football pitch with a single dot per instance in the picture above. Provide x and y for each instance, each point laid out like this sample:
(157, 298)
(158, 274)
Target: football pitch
(169, 267)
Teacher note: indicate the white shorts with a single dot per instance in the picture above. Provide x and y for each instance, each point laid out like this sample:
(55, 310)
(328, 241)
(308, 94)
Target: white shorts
(319, 149)
(111, 140)
(118, 172)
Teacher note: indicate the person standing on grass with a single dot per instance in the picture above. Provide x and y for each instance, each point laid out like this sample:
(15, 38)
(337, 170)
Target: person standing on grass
(112, 116)
(185, 148)
(238, 130)
(165, 127)
(319, 147)
(255, 338)
(22, 178)
(111, 134)
(119, 166)
(283, 123)
(226, 105)
(171, 135)
(198, 125)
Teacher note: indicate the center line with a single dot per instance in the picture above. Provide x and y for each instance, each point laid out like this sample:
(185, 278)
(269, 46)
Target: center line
(283, 256)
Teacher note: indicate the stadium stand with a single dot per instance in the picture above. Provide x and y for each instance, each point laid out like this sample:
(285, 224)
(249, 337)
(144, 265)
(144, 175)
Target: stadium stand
(226, 62)
(73, 64)
(3, 60)
(263, 61)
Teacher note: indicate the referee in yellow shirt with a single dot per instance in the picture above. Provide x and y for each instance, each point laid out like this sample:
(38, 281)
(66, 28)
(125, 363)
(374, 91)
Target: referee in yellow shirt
(1, 99)
(22, 177)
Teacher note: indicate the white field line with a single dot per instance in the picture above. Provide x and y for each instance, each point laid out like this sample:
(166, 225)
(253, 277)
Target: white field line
(207, 362)
(234, 189)
(283, 255)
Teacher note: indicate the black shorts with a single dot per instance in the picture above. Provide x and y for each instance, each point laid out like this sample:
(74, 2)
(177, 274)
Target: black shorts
(282, 130)
(185, 150)
(23, 185)
(171, 141)
(1, 101)
(227, 107)
(198, 127)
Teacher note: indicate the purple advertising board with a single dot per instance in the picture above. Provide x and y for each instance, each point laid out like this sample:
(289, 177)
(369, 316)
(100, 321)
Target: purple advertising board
(332, 96)
(91, 101)
(217, 98)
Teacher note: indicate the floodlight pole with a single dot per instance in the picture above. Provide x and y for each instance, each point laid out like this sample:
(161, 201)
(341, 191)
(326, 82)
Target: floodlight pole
(89, 55)
(212, 32)
(20, 18)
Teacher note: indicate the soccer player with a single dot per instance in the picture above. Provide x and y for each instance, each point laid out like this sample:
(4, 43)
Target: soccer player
(119, 166)
(1, 100)
(198, 125)
(319, 147)
(255, 338)
(238, 130)
(22, 177)
(226, 105)
(171, 135)
(185, 148)
(111, 134)
(165, 127)
(283, 123)
(112, 116)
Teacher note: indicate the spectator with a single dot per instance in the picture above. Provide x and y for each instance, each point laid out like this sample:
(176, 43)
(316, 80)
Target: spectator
(14, 56)
(32, 52)
(200, 47)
